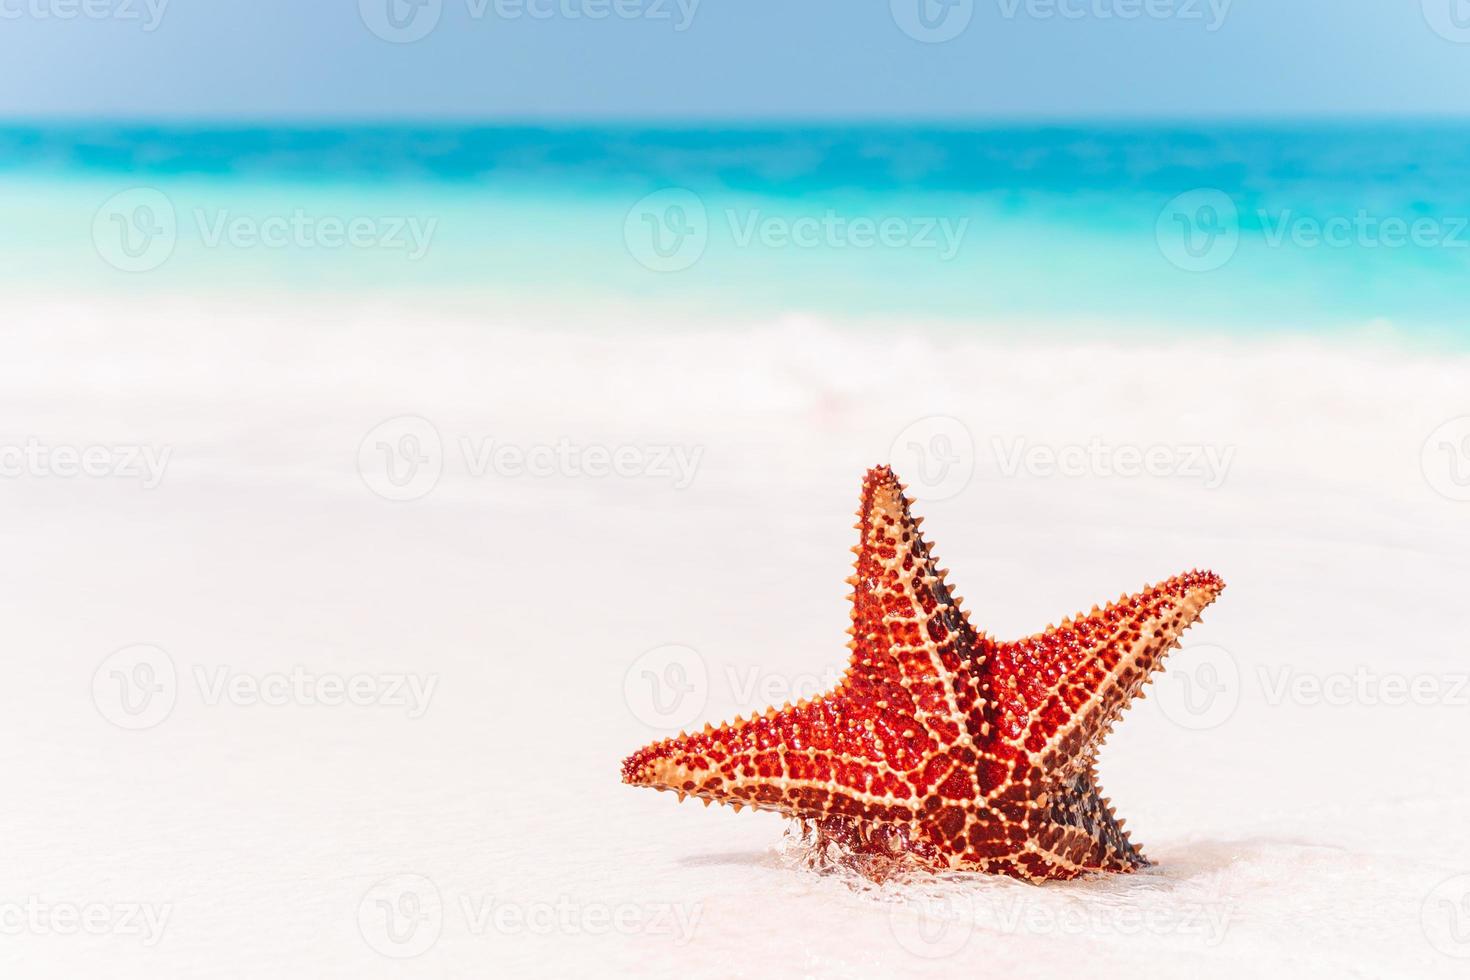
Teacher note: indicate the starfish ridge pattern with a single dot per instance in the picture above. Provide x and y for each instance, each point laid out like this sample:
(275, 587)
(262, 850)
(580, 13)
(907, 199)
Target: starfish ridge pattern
(942, 748)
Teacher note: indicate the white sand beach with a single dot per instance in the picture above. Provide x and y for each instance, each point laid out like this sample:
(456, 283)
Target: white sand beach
(329, 623)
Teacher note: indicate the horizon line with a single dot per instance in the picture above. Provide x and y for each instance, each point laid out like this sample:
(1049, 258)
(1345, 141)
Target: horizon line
(682, 122)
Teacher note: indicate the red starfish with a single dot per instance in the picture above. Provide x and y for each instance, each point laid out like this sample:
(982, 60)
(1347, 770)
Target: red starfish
(942, 747)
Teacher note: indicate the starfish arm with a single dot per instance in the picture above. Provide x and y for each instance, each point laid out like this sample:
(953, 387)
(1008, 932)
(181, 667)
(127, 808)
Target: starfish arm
(909, 633)
(828, 756)
(1059, 692)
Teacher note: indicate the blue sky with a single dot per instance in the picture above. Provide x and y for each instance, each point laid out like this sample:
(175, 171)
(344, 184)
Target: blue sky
(701, 59)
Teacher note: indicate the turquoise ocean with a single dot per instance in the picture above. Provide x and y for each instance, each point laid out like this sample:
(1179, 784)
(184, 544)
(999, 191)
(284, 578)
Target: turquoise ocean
(1341, 228)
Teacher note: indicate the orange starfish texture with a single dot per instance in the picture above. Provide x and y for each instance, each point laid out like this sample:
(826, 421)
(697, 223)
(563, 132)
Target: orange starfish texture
(941, 747)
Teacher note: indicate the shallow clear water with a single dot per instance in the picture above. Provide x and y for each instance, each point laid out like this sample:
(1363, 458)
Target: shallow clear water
(1312, 227)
